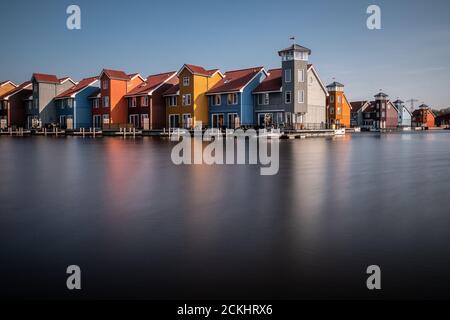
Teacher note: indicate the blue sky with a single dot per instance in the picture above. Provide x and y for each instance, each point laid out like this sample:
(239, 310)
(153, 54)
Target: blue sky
(407, 58)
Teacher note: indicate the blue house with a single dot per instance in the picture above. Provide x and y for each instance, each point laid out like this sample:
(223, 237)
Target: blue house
(230, 101)
(404, 115)
(73, 107)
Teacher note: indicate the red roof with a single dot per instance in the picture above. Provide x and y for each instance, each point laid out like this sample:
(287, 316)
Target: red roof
(22, 86)
(77, 88)
(235, 80)
(272, 83)
(64, 79)
(116, 74)
(42, 77)
(152, 82)
(200, 70)
(172, 91)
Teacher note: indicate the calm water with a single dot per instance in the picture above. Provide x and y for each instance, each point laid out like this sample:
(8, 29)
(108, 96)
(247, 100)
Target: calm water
(141, 227)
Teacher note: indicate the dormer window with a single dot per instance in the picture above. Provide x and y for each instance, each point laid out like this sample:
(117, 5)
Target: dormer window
(186, 81)
(105, 84)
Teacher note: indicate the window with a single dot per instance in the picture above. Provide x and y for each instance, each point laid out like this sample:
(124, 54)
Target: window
(133, 102)
(185, 81)
(106, 118)
(383, 114)
(331, 99)
(339, 110)
(70, 103)
(105, 84)
(217, 100)
(36, 103)
(144, 101)
(263, 99)
(301, 96)
(172, 101)
(331, 110)
(232, 98)
(287, 97)
(287, 75)
(61, 104)
(95, 103)
(301, 75)
(339, 99)
(186, 99)
(105, 101)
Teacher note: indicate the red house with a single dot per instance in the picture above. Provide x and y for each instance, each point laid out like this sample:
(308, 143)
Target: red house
(423, 117)
(146, 105)
(14, 104)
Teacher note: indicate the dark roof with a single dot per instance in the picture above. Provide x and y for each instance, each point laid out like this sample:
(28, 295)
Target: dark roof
(398, 101)
(172, 91)
(152, 82)
(295, 47)
(273, 82)
(42, 77)
(424, 106)
(77, 88)
(381, 94)
(235, 80)
(198, 70)
(335, 84)
(116, 74)
(22, 86)
(357, 105)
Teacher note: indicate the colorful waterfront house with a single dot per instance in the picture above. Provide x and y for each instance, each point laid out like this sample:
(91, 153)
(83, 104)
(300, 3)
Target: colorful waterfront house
(45, 88)
(404, 115)
(423, 117)
(146, 104)
(338, 107)
(13, 104)
(187, 103)
(230, 101)
(112, 112)
(375, 115)
(293, 96)
(73, 108)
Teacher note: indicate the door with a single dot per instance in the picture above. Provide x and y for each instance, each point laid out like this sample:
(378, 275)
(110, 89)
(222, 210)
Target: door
(97, 121)
(174, 121)
(233, 120)
(187, 121)
(217, 120)
(134, 120)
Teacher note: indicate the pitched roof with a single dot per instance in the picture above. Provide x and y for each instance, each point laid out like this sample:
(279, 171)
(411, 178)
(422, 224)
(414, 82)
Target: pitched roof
(77, 88)
(398, 101)
(235, 80)
(115, 74)
(381, 94)
(423, 106)
(296, 48)
(48, 78)
(335, 84)
(23, 86)
(357, 105)
(172, 91)
(7, 81)
(95, 94)
(272, 83)
(152, 83)
(198, 70)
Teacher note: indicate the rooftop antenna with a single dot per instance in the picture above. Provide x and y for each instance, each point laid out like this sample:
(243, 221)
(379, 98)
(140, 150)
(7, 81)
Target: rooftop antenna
(412, 101)
(293, 39)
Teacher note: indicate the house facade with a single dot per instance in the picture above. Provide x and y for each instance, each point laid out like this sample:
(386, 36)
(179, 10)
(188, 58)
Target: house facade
(45, 88)
(187, 103)
(230, 101)
(404, 115)
(146, 104)
(73, 108)
(374, 115)
(423, 117)
(338, 107)
(113, 108)
(300, 99)
(13, 105)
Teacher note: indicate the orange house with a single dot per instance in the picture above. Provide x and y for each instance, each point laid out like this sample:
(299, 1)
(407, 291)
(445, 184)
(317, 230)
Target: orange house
(114, 85)
(338, 107)
(423, 117)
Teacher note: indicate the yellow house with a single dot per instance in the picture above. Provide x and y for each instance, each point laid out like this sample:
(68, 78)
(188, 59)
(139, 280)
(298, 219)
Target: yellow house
(338, 107)
(187, 103)
(6, 86)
